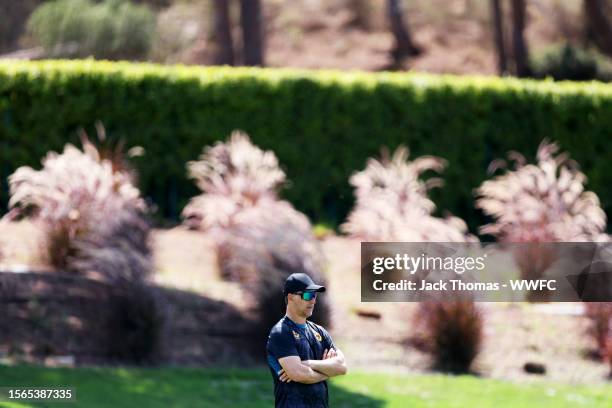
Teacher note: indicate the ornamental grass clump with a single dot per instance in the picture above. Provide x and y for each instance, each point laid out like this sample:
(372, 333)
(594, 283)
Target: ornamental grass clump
(392, 205)
(451, 332)
(542, 202)
(537, 204)
(600, 315)
(95, 225)
(233, 176)
(85, 208)
(261, 239)
(392, 202)
(119, 252)
(264, 248)
(136, 323)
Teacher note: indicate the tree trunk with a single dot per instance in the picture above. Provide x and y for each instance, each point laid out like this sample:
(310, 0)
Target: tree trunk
(519, 45)
(598, 26)
(404, 46)
(224, 52)
(251, 20)
(498, 34)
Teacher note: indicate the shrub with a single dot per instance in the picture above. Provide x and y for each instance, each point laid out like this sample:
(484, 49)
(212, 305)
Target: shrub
(112, 29)
(600, 315)
(119, 252)
(255, 232)
(451, 332)
(83, 205)
(322, 125)
(233, 176)
(569, 62)
(260, 239)
(392, 205)
(543, 202)
(273, 242)
(135, 324)
(113, 151)
(392, 202)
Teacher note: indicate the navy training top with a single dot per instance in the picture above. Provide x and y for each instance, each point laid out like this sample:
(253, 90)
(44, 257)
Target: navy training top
(307, 341)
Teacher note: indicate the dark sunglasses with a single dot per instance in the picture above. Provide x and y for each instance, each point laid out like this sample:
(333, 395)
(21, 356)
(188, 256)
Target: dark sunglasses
(309, 295)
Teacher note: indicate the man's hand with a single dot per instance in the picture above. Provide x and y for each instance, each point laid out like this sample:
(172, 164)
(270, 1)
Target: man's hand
(283, 377)
(331, 353)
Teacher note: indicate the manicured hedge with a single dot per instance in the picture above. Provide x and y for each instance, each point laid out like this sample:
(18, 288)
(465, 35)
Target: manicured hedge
(322, 125)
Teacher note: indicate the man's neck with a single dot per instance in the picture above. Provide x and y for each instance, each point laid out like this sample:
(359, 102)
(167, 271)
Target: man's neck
(295, 318)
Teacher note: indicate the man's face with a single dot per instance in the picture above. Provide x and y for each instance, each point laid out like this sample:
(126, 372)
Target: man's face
(301, 306)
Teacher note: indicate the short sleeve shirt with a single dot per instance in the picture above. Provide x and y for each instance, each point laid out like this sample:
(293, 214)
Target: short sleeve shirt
(308, 342)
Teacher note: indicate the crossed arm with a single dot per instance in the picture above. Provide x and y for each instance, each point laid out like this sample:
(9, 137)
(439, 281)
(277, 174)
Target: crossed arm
(312, 371)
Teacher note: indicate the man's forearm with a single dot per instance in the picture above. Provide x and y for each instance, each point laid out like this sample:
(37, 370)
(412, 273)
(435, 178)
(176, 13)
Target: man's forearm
(331, 367)
(304, 374)
(311, 376)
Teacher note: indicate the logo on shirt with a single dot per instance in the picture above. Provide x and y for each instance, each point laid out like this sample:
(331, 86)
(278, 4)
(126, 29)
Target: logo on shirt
(318, 336)
(296, 334)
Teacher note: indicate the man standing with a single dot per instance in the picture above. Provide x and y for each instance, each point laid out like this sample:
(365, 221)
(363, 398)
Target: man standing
(301, 354)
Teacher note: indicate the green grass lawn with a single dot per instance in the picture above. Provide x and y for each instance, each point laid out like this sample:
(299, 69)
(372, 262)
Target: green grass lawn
(184, 387)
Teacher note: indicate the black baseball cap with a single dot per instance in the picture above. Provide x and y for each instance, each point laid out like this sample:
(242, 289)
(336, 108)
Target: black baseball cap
(300, 282)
